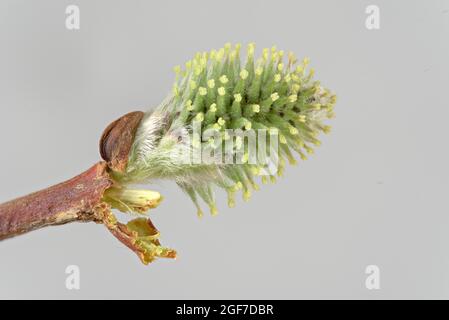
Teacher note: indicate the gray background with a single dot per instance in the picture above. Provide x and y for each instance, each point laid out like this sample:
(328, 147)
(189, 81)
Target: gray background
(374, 193)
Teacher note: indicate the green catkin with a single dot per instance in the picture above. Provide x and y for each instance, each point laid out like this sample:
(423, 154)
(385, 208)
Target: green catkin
(291, 102)
(241, 123)
(211, 94)
(221, 101)
(190, 191)
(241, 82)
(231, 197)
(278, 106)
(236, 109)
(249, 177)
(286, 150)
(250, 110)
(268, 72)
(250, 60)
(254, 88)
(277, 121)
(185, 111)
(268, 88)
(210, 116)
(220, 91)
(206, 194)
(266, 103)
(198, 103)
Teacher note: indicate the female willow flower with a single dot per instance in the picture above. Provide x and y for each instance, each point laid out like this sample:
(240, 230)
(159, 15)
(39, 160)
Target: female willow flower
(225, 124)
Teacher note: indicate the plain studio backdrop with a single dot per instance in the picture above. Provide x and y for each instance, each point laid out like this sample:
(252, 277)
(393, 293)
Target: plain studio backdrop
(375, 192)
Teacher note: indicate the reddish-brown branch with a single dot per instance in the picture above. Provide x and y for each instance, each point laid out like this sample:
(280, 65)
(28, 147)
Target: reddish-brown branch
(81, 198)
(78, 199)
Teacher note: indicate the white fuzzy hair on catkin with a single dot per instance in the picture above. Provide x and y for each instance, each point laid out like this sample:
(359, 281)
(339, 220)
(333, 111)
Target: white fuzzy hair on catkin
(148, 135)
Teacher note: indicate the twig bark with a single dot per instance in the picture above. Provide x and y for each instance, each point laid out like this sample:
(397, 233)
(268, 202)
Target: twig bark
(82, 198)
(78, 199)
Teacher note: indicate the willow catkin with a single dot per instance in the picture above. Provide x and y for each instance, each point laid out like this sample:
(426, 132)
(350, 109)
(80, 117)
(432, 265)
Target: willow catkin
(217, 91)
